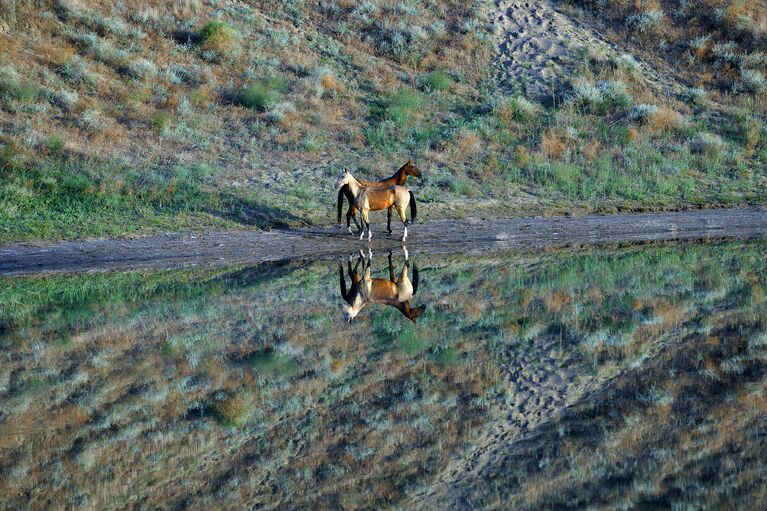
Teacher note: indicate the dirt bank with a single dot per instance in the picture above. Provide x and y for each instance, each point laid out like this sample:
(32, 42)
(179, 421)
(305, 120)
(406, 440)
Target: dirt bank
(251, 247)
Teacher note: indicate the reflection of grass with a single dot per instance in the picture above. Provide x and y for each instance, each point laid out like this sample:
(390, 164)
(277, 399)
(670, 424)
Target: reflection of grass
(252, 349)
(446, 356)
(409, 341)
(270, 361)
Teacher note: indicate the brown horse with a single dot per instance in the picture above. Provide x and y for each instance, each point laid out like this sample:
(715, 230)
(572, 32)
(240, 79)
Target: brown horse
(376, 199)
(397, 179)
(394, 291)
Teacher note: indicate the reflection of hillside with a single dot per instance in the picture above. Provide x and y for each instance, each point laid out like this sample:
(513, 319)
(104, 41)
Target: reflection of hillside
(241, 385)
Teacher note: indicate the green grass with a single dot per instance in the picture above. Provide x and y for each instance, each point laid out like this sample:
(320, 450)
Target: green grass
(437, 81)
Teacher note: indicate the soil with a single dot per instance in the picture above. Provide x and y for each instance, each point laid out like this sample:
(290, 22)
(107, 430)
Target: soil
(253, 247)
(538, 45)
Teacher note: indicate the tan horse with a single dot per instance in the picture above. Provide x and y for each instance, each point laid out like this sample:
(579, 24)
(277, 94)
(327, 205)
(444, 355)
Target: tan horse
(365, 290)
(398, 178)
(375, 199)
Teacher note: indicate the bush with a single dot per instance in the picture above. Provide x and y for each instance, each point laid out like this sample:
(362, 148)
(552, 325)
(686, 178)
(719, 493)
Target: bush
(519, 109)
(219, 37)
(707, 144)
(142, 68)
(646, 22)
(231, 412)
(262, 95)
(753, 81)
(602, 97)
(399, 106)
(643, 112)
(436, 81)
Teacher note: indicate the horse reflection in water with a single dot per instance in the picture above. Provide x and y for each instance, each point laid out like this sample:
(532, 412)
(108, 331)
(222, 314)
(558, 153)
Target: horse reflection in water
(364, 290)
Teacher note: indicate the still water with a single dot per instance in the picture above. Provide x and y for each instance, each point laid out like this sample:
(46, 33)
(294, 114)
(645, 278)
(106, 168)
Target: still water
(606, 376)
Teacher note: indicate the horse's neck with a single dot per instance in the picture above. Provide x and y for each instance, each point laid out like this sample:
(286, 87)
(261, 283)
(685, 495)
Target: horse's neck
(398, 178)
(354, 187)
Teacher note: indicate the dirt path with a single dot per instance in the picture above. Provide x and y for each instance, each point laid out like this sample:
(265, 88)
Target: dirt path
(538, 46)
(252, 247)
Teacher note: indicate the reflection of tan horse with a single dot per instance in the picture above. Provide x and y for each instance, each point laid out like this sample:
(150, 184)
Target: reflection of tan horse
(399, 178)
(367, 199)
(394, 291)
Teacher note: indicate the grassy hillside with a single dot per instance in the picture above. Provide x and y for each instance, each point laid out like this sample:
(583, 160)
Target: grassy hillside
(117, 118)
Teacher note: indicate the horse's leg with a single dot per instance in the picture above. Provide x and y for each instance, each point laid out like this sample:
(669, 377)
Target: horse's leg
(388, 219)
(391, 270)
(401, 211)
(364, 223)
(365, 213)
(351, 214)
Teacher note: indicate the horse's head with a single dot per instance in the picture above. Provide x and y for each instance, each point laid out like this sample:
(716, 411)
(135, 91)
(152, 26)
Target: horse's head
(344, 179)
(350, 312)
(411, 169)
(413, 313)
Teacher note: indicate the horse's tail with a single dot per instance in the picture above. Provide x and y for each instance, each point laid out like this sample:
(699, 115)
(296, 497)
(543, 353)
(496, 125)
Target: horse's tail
(413, 208)
(341, 201)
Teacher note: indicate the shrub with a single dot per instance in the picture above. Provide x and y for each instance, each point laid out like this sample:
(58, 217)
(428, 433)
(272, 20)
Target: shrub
(707, 144)
(726, 52)
(280, 111)
(231, 412)
(436, 81)
(161, 122)
(605, 95)
(219, 37)
(142, 68)
(12, 89)
(643, 112)
(262, 95)
(753, 81)
(697, 96)
(627, 63)
(664, 119)
(92, 120)
(67, 99)
(646, 22)
(399, 106)
(614, 94)
(552, 145)
(519, 109)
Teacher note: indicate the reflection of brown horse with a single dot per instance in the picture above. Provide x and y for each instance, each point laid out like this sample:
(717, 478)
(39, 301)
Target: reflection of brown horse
(394, 291)
(398, 179)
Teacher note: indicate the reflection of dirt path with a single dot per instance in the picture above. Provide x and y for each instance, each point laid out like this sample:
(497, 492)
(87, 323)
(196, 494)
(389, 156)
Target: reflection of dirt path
(252, 247)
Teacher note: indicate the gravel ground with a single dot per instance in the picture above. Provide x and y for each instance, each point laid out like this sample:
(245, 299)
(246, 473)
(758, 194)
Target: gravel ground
(252, 247)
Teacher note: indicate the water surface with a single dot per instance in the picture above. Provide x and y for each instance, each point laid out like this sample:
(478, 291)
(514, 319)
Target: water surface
(249, 387)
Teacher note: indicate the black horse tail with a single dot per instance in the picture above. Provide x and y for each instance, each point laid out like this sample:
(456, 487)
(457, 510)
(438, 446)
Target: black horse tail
(341, 201)
(415, 279)
(413, 209)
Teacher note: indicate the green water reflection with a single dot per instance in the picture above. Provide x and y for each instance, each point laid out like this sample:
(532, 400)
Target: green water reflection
(248, 387)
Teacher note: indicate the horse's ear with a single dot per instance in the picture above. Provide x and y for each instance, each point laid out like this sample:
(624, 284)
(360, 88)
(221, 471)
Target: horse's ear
(410, 161)
(346, 171)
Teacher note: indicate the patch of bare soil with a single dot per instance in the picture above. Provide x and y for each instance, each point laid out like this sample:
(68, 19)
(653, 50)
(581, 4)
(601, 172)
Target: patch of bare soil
(253, 247)
(538, 45)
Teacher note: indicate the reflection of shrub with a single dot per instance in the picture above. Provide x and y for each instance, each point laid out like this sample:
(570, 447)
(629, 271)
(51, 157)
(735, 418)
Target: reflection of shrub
(231, 412)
